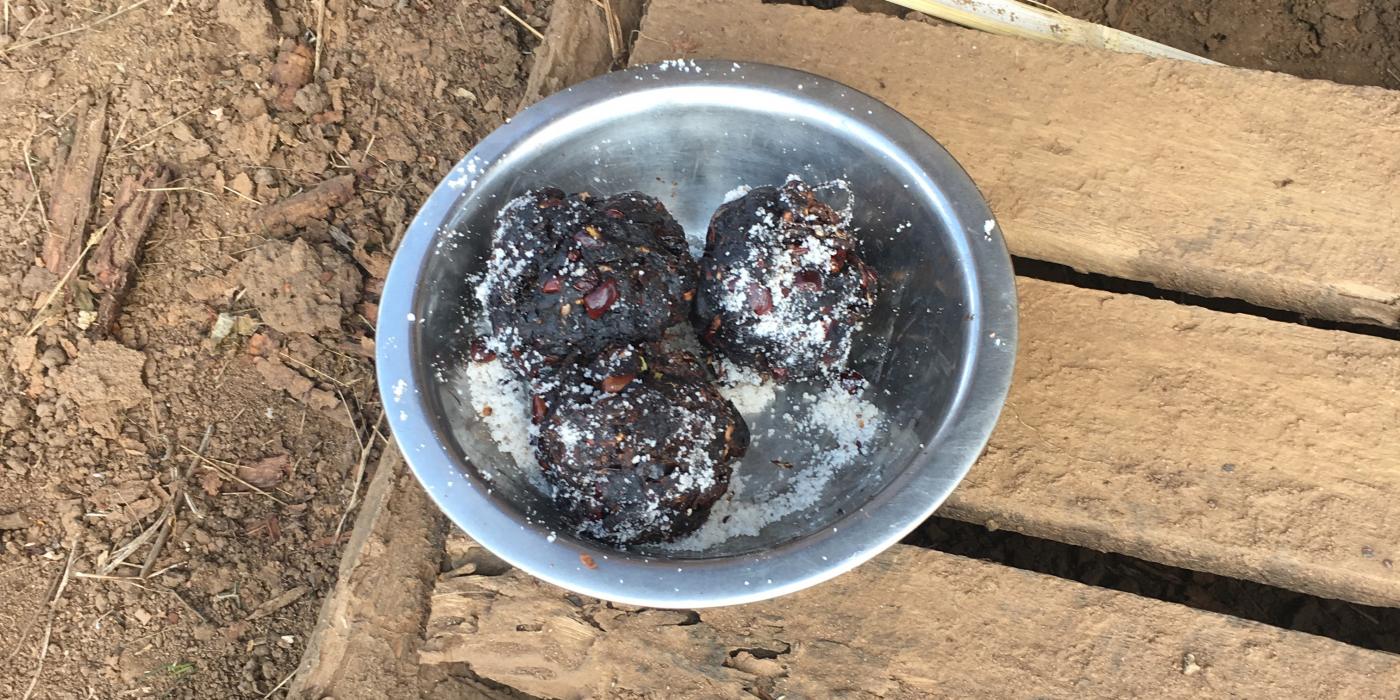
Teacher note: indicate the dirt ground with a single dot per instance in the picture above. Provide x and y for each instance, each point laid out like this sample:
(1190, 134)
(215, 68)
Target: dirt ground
(258, 331)
(1346, 41)
(98, 436)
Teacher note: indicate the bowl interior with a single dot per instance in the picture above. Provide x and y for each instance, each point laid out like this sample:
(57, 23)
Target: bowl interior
(689, 145)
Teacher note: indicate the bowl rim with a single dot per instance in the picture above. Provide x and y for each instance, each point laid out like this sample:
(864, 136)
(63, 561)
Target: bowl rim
(649, 580)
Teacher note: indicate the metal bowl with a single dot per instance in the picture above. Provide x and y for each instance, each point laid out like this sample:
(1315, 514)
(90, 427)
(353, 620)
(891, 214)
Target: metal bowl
(938, 351)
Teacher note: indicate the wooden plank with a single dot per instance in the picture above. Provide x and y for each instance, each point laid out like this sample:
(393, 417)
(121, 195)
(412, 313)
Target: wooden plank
(1218, 442)
(912, 623)
(1210, 180)
(366, 639)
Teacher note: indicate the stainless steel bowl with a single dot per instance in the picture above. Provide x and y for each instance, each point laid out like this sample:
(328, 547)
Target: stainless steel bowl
(938, 351)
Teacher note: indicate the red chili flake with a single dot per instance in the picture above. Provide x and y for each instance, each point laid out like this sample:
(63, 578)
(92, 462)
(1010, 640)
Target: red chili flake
(808, 281)
(480, 353)
(587, 561)
(760, 299)
(780, 373)
(551, 285)
(838, 261)
(613, 213)
(867, 277)
(538, 408)
(601, 298)
(617, 383)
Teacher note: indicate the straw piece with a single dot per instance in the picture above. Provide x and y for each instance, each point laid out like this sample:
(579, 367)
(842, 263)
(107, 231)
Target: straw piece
(1014, 18)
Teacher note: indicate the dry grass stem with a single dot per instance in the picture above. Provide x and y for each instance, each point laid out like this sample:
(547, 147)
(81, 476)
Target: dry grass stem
(242, 196)
(365, 447)
(34, 181)
(320, 34)
(48, 627)
(127, 144)
(63, 281)
(214, 466)
(318, 372)
(74, 30)
(519, 20)
(278, 687)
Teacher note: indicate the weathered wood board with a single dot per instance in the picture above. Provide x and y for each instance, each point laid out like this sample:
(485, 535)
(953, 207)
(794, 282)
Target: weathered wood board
(912, 623)
(1218, 442)
(366, 639)
(1216, 181)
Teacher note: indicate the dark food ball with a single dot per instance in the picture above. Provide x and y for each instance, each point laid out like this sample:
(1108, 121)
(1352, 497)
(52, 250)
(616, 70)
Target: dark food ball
(574, 274)
(636, 444)
(782, 289)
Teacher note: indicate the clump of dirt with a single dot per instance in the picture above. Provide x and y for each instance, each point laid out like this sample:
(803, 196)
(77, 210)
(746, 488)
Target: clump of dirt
(296, 288)
(296, 169)
(103, 381)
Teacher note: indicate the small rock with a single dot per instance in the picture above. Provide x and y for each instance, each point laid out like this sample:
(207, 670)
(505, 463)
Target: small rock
(1189, 667)
(242, 184)
(250, 106)
(41, 79)
(311, 99)
(37, 280)
(14, 413)
(181, 131)
(13, 521)
(262, 345)
(266, 473)
(252, 22)
(22, 353)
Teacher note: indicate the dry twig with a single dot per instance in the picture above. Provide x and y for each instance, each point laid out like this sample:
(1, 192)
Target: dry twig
(48, 627)
(365, 447)
(75, 183)
(74, 30)
(214, 466)
(320, 33)
(63, 281)
(114, 261)
(519, 20)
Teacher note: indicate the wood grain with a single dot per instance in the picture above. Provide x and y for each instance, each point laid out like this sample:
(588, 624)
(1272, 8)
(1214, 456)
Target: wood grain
(114, 261)
(912, 623)
(1218, 442)
(1210, 180)
(366, 639)
(75, 185)
(576, 47)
